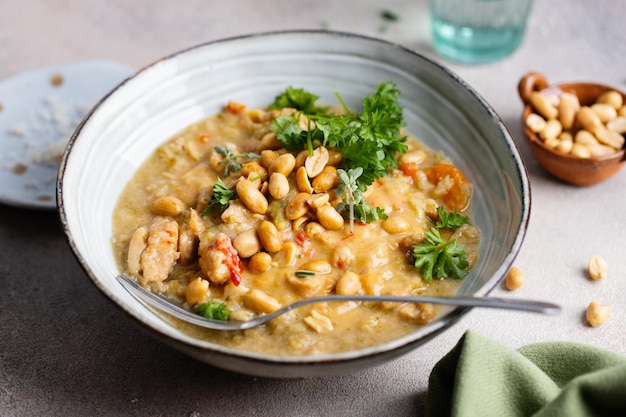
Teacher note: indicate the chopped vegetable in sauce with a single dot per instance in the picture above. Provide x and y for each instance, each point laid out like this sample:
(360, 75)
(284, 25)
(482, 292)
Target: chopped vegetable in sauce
(213, 310)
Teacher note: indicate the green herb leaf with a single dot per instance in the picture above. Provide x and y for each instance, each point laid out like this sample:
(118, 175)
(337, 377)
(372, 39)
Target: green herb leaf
(353, 203)
(231, 158)
(288, 131)
(213, 310)
(389, 15)
(369, 140)
(304, 273)
(299, 99)
(451, 220)
(435, 257)
(222, 195)
(366, 214)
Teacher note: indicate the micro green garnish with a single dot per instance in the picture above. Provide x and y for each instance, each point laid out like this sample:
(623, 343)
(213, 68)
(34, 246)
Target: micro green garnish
(213, 310)
(304, 273)
(438, 258)
(351, 193)
(369, 140)
(221, 195)
(231, 158)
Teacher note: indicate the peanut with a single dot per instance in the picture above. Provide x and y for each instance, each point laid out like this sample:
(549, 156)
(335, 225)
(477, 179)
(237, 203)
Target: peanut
(269, 236)
(565, 143)
(348, 284)
(610, 138)
(605, 112)
(535, 122)
(284, 164)
(302, 181)
(597, 313)
(315, 163)
(168, 206)
(269, 141)
(325, 180)
(585, 137)
(251, 197)
(552, 130)
(541, 103)
(329, 217)
(617, 125)
(319, 266)
(297, 206)
(612, 98)
(588, 119)
(247, 243)
(196, 291)
(514, 278)
(260, 302)
(568, 106)
(278, 186)
(580, 151)
(260, 262)
(597, 267)
(395, 225)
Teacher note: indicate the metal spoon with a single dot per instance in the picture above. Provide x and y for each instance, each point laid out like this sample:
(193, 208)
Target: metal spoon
(171, 307)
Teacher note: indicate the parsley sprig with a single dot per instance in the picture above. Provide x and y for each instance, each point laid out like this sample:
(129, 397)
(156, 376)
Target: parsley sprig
(436, 257)
(231, 158)
(300, 99)
(369, 140)
(451, 220)
(221, 195)
(351, 193)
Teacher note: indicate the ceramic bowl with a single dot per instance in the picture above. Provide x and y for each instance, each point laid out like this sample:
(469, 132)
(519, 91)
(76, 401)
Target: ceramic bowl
(569, 168)
(166, 96)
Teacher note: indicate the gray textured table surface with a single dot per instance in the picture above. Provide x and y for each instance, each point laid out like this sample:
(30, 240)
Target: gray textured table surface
(65, 350)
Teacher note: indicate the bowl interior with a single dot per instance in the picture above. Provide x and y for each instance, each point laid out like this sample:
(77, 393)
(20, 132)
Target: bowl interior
(147, 109)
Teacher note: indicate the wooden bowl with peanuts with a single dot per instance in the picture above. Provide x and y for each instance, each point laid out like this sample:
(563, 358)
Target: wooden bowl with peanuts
(574, 130)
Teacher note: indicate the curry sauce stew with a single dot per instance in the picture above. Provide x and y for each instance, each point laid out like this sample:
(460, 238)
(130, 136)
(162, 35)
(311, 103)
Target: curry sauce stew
(252, 209)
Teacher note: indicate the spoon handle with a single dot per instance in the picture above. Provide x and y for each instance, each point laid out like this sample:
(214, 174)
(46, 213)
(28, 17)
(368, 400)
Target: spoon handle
(468, 301)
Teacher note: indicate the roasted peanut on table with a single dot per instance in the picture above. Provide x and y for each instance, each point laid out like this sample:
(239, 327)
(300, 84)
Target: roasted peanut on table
(597, 267)
(514, 278)
(597, 129)
(597, 313)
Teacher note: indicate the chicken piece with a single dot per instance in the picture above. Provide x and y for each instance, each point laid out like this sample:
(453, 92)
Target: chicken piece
(137, 245)
(160, 254)
(188, 236)
(220, 261)
(236, 213)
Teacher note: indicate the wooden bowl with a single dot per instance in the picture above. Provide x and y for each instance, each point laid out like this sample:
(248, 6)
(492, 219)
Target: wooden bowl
(569, 168)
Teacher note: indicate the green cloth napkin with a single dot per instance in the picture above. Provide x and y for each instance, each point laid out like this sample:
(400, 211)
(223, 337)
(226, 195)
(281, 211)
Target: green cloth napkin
(482, 378)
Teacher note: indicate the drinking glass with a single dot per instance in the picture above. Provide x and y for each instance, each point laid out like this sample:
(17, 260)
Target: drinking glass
(478, 31)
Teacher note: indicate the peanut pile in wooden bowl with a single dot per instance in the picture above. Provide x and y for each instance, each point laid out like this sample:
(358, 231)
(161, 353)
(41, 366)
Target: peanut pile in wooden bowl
(575, 130)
